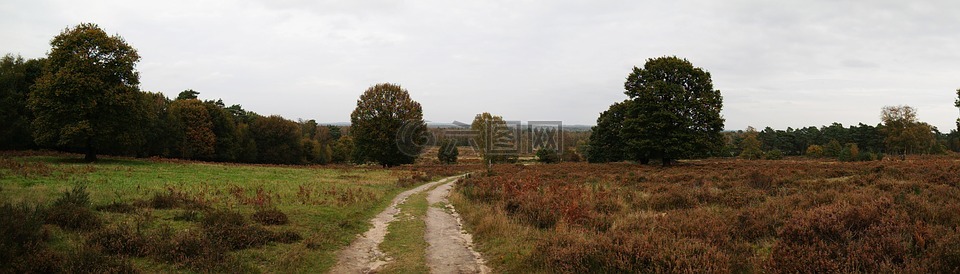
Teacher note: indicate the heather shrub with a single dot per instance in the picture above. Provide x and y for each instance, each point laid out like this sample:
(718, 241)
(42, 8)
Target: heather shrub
(174, 198)
(230, 229)
(584, 252)
(87, 259)
(946, 253)
(412, 180)
(270, 216)
(72, 211)
(119, 240)
(775, 154)
(187, 216)
(669, 197)
(286, 237)
(547, 156)
(838, 237)
(194, 249)
(116, 207)
(23, 238)
(723, 216)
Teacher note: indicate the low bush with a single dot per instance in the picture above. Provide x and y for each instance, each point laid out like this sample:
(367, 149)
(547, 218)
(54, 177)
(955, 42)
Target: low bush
(775, 154)
(412, 180)
(270, 216)
(116, 207)
(547, 156)
(22, 237)
(119, 240)
(174, 198)
(72, 211)
(287, 237)
(90, 260)
(230, 229)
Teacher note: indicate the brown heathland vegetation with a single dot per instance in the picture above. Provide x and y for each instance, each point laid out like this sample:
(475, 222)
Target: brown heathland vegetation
(718, 216)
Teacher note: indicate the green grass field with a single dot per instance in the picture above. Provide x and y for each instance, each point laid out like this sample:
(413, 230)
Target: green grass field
(326, 206)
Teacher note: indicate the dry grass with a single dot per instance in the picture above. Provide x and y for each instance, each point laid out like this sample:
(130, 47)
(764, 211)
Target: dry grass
(719, 216)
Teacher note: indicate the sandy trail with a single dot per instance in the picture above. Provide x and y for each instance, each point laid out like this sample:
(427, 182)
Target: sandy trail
(450, 248)
(363, 255)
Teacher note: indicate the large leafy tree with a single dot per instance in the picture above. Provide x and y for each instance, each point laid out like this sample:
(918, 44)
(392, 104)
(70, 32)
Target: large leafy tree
(750, 146)
(87, 91)
(605, 142)
(277, 140)
(228, 147)
(675, 111)
(387, 126)
(494, 139)
(903, 133)
(156, 125)
(16, 77)
(194, 138)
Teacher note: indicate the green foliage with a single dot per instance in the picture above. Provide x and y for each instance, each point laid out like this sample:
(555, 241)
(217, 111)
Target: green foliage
(227, 146)
(386, 126)
(194, 137)
(16, 77)
(312, 151)
(277, 140)
(570, 155)
(187, 95)
(775, 154)
(605, 142)
(158, 127)
(815, 151)
(335, 132)
(342, 150)
(72, 211)
(448, 151)
(675, 112)
(849, 153)
(832, 149)
(87, 91)
(494, 139)
(903, 133)
(248, 151)
(547, 156)
(21, 233)
(750, 146)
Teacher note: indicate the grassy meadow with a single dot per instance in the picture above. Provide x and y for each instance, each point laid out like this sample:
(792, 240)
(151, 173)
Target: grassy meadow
(718, 216)
(255, 218)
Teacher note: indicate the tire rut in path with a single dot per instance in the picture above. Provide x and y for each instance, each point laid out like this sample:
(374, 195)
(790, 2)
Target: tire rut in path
(363, 254)
(449, 246)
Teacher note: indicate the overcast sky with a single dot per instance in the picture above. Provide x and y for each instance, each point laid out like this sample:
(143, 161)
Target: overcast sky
(777, 63)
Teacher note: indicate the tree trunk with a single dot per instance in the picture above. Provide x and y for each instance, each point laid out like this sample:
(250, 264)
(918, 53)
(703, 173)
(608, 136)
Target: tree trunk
(91, 154)
(666, 162)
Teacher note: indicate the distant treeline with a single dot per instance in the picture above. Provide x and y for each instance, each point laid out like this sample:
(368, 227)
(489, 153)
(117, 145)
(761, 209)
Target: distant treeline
(184, 127)
(867, 138)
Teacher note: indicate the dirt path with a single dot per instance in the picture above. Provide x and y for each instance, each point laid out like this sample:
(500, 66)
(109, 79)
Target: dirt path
(363, 256)
(450, 248)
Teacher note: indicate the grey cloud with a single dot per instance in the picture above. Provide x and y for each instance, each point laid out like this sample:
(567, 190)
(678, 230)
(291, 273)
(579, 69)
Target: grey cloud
(777, 63)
